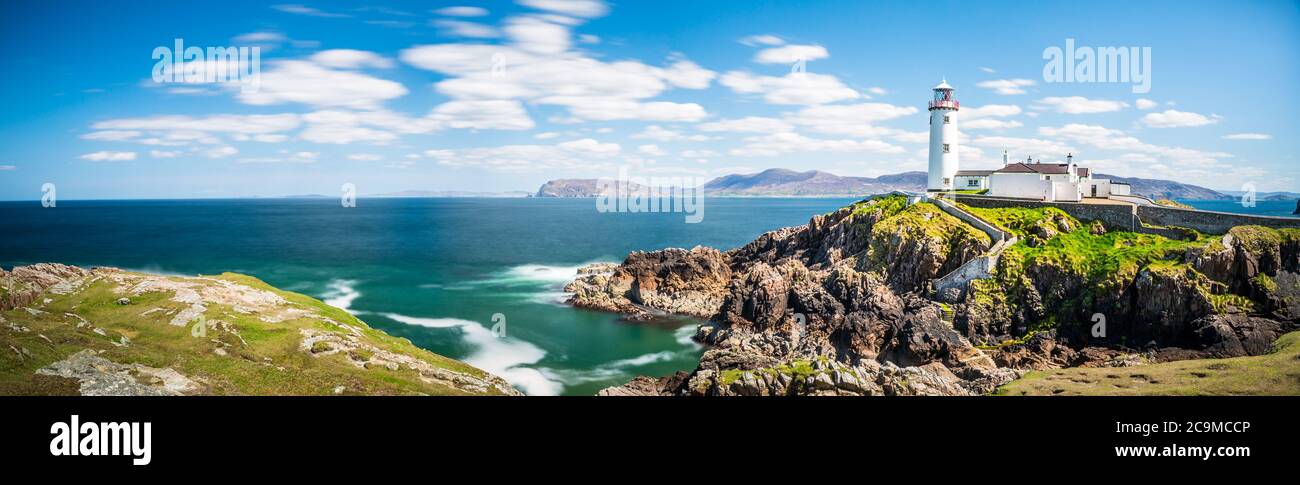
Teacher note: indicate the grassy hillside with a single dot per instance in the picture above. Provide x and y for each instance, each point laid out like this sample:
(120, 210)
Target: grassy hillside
(224, 335)
(1274, 374)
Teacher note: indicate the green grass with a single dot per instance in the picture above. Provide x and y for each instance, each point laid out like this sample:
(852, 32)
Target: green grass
(1102, 264)
(1273, 374)
(883, 206)
(1174, 204)
(267, 361)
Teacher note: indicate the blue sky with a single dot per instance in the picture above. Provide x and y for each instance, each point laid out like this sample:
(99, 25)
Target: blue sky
(495, 96)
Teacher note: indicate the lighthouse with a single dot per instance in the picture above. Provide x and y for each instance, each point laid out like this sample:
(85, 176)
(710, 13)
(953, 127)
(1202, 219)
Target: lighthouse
(943, 138)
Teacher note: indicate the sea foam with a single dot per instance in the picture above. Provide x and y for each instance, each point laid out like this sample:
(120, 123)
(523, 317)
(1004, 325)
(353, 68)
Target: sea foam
(505, 357)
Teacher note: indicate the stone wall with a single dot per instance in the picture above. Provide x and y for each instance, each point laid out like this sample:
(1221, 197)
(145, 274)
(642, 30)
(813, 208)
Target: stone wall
(1114, 217)
(1209, 222)
(976, 269)
(993, 231)
(1131, 218)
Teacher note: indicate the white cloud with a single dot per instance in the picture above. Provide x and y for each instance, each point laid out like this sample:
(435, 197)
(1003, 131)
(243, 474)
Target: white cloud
(343, 134)
(989, 110)
(651, 150)
(1024, 147)
(577, 8)
(1144, 103)
(538, 36)
(1195, 162)
(543, 74)
(1007, 87)
(365, 157)
(1178, 119)
(220, 152)
(763, 39)
(851, 119)
(608, 109)
(483, 114)
(285, 157)
(299, 9)
(461, 28)
(111, 135)
(104, 156)
(1081, 105)
(316, 85)
(163, 154)
(659, 133)
(7, 168)
(590, 146)
(988, 69)
(586, 154)
(546, 135)
(223, 123)
(793, 88)
(351, 59)
(790, 54)
(783, 143)
(748, 124)
(461, 11)
(266, 40)
(687, 74)
(1248, 136)
(990, 124)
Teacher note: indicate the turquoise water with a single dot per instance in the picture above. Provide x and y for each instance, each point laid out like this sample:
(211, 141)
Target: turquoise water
(434, 271)
(1283, 208)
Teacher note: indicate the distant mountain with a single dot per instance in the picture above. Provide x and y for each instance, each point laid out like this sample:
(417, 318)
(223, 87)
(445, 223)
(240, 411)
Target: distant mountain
(1265, 195)
(816, 183)
(772, 182)
(1166, 189)
(453, 193)
(783, 182)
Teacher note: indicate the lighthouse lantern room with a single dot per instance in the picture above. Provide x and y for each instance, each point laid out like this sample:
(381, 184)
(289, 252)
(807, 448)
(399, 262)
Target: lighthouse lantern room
(943, 138)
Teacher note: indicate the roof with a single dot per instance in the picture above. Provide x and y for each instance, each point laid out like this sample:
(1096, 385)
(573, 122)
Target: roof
(1042, 168)
(943, 85)
(1083, 172)
(974, 173)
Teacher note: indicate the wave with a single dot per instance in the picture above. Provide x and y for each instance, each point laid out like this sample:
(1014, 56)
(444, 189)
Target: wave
(686, 336)
(341, 294)
(643, 360)
(540, 273)
(537, 283)
(502, 356)
(614, 372)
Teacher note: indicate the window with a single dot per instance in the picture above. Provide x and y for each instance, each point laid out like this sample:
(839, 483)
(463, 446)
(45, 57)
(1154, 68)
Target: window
(945, 148)
(945, 119)
(973, 183)
(947, 181)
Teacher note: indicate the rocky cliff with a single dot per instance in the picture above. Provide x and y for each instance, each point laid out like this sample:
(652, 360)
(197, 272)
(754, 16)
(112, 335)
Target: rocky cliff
(844, 305)
(103, 331)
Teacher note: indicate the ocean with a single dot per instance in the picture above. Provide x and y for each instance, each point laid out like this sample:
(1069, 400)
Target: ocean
(1279, 208)
(440, 272)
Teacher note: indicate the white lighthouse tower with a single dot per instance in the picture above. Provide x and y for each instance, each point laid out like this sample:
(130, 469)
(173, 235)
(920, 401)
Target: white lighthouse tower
(943, 138)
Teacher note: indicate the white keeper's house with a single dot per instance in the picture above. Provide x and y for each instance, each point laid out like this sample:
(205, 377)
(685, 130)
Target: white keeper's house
(1031, 179)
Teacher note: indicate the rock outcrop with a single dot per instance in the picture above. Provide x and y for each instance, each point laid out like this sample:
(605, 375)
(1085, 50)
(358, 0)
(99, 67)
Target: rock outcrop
(844, 304)
(814, 309)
